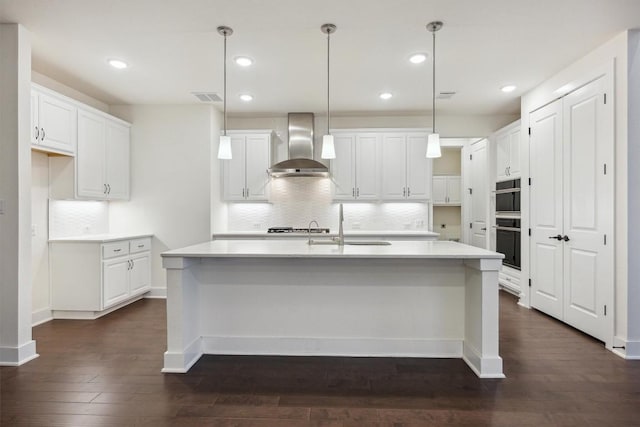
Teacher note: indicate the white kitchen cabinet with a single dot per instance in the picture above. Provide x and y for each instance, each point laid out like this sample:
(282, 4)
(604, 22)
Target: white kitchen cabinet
(244, 177)
(507, 147)
(90, 278)
(53, 122)
(100, 170)
(406, 172)
(354, 170)
(447, 190)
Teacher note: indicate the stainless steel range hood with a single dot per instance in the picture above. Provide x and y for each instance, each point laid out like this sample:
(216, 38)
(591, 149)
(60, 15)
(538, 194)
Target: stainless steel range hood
(300, 161)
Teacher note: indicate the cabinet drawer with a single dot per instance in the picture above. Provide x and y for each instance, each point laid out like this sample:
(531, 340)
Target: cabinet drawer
(115, 249)
(140, 245)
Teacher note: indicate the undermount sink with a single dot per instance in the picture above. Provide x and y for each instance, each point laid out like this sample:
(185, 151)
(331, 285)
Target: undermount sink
(351, 242)
(368, 242)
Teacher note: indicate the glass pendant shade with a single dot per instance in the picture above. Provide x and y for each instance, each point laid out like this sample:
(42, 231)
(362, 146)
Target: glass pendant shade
(224, 149)
(328, 149)
(433, 146)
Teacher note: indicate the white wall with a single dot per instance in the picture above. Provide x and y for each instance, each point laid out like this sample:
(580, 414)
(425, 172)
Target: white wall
(577, 74)
(52, 84)
(171, 150)
(633, 160)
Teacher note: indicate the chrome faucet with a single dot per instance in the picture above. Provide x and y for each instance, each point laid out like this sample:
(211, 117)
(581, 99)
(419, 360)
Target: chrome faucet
(313, 221)
(340, 228)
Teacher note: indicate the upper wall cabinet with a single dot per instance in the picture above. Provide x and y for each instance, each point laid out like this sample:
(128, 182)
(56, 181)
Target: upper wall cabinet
(355, 168)
(507, 145)
(244, 177)
(100, 169)
(53, 122)
(102, 161)
(406, 172)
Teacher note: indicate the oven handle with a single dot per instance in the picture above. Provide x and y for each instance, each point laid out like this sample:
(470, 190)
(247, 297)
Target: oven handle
(497, 227)
(506, 191)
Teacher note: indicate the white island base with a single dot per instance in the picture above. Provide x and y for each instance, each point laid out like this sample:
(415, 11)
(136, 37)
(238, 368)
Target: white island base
(409, 299)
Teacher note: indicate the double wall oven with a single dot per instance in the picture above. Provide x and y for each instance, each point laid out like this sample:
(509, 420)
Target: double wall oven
(508, 222)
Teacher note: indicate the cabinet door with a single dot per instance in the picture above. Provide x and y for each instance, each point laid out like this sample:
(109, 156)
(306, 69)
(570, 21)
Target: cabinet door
(439, 195)
(115, 275)
(454, 190)
(502, 156)
(117, 160)
(514, 154)
(343, 167)
(57, 121)
(234, 170)
(367, 167)
(418, 168)
(394, 167)
(257, 149)
(90, 159)
(140, 274)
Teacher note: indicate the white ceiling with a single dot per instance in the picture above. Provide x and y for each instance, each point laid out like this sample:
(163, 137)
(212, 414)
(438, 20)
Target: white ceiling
(173, 49)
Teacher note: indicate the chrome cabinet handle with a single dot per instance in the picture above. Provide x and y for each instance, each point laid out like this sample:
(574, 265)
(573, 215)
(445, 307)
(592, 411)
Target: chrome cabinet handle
(353, 192)
(141, 246)
(105, 189)
(408, 191)
(243, 193)
(42, 137)
(404, 192)
(37, 133)
(357, 192)
(108, 188)
(247, 192)
(117, 250)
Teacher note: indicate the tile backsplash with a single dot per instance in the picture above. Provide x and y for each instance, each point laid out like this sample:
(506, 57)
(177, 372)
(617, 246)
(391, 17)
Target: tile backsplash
(75, 218)
(296, 201)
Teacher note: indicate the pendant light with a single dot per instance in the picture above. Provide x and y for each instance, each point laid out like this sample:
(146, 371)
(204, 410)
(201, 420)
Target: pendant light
(224, 149)
(328, 148)
(433, 143)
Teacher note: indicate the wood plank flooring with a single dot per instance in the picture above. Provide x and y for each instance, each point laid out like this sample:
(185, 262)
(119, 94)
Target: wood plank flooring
(107, 373)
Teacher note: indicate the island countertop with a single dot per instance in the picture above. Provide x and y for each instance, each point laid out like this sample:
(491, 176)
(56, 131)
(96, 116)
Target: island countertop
(301, 249)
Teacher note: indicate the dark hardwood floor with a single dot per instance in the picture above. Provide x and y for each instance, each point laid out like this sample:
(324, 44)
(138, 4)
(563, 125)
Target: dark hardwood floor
(107, 372)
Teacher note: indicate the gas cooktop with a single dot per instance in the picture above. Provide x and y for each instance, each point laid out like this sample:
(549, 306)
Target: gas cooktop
(314, 230)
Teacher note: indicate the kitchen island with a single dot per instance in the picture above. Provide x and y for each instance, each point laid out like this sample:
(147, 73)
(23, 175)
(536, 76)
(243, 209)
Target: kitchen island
(285, 297)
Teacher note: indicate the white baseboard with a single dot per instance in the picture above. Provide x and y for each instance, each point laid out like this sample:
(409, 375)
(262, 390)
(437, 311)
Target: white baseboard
(180, 363)
(629, 350)
(355, 347)
(487, 367)
(41, 316)
(16, 356)
(89, 314)
(157, 292)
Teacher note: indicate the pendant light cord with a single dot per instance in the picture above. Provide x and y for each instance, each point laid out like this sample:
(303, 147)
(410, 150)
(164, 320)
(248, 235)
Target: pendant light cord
(328, 78)
(433, 95)
(224, 95)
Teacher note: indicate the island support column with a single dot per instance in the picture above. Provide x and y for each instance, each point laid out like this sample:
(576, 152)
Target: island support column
(481, 341)
(183, 340)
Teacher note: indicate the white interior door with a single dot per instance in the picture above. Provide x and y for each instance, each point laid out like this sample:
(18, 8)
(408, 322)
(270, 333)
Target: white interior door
(546, 214)
(588, 208)
(479, 194)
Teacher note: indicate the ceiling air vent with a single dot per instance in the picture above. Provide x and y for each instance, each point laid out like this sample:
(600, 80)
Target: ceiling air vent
(445, 95)
(207, 96)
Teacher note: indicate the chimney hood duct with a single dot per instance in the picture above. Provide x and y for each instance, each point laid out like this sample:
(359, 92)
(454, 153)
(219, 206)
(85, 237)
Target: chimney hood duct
(300, 161)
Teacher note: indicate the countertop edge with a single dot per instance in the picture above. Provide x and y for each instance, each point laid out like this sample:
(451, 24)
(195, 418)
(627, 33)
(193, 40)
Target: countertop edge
(101, 238)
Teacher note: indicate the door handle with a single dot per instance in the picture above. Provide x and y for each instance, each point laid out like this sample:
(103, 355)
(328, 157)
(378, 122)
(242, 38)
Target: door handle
(565, 238)
(484, 229)
(558, 237)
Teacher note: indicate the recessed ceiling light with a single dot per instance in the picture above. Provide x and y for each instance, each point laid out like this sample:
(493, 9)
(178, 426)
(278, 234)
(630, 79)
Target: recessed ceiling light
(246, 97)
(386, 95)
(117, 63)
(243, 61)
(418, 58)
(508, 88)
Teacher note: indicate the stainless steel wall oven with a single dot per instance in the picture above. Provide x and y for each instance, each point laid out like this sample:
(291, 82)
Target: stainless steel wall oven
(508, 196)
(508, 241)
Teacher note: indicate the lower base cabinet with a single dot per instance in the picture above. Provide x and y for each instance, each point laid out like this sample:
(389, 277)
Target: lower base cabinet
(509, 279)
(89, 279)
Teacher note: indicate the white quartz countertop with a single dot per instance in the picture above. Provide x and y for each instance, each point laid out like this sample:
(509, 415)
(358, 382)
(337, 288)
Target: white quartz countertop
(100, 238)
(347, 233)
(301, 249)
